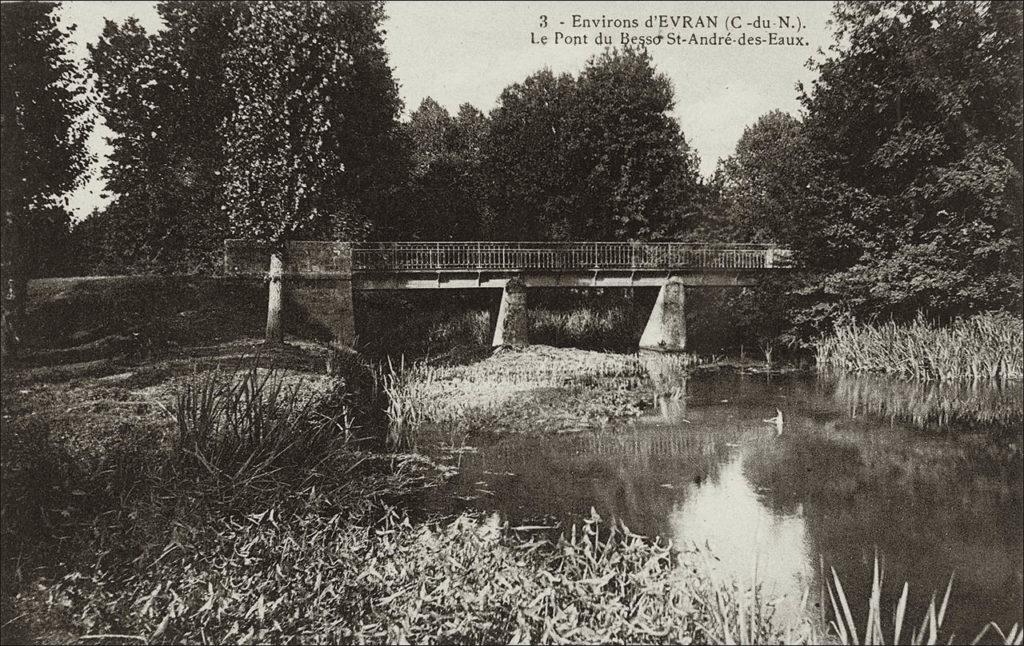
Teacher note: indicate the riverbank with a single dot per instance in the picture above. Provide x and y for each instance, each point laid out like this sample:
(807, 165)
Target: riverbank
(125, 521)
(116, 526)
(119, 521)
(536, 390)
(987, 346)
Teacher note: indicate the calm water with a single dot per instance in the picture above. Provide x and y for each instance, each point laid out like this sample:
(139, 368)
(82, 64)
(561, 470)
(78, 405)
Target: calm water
(928, 477)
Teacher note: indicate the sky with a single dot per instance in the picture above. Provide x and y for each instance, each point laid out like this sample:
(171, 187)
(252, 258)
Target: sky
(462, 52)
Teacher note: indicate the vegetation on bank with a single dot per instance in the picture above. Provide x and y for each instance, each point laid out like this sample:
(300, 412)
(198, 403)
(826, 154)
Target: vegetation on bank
(984, 346)
(540, 389)
(201, 504)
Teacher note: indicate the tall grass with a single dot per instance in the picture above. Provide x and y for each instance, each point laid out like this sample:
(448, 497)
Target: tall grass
(242, 426)
(597, 326)
(985, 346)
(422, 393)
(929, 631)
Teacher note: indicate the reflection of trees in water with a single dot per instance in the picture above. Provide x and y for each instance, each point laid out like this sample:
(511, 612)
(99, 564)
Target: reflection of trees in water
(925, 502)
(622, 474)
(932, 403)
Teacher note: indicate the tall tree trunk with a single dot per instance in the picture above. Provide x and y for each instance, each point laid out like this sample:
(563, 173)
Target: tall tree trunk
(14, 286)
(275, 330)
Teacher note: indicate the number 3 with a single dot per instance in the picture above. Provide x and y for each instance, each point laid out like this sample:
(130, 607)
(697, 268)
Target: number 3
(543, 22)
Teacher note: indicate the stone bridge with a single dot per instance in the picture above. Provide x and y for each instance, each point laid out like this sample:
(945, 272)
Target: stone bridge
(321, 276)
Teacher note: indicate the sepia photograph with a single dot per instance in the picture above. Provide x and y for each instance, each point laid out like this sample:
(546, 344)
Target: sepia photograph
(398, 322)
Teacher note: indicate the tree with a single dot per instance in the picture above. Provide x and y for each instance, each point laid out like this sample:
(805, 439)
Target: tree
(44, 127)
(529, 188)
(287, 67)
(639, 176)
(916, 118)
(365, 131)
(765, 180)
(164, 97)
(596, 157)
(167, 99)
(445, 183)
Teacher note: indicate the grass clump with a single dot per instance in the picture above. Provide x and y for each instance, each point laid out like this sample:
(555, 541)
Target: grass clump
(235, 426)
(985, 346)
(539, 389)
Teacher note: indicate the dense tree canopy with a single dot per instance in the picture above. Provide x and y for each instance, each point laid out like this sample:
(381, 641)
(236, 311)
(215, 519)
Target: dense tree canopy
(637, 175)
(44, 127)
(445, 190)
(765, 181)
(164, 97)
(899, 186)
(900, 189)
(529, 186)
(180, 109)
(594, 157)
(916, 119)
(284, 72)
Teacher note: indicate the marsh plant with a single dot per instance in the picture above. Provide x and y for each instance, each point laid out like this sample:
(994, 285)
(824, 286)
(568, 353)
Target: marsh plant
(450, 395)
(986, 346)
(238, 426)
(901, 630)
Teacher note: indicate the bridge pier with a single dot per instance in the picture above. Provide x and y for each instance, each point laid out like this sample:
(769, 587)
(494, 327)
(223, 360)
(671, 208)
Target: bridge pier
(512, 327)
(666, 327)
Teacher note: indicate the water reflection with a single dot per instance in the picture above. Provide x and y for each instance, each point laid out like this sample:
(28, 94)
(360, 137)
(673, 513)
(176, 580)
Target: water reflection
(926, 476)
(941, 404)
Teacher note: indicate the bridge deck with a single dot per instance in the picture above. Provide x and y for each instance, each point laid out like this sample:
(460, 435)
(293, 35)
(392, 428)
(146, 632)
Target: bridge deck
(461, 265)
(562, 256)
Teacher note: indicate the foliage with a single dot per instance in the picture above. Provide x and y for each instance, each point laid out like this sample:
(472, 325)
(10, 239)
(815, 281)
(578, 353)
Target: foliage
(529, 186)
(596, 157)
(915, 122)
(186, 101)
(446, 183)
(900, 188)
(505, 393)
(637, 174)
(246, 427)
(44, 125)
(164, 98)
(283, 72)
(764, 180)
(365, 135)
(985, 346)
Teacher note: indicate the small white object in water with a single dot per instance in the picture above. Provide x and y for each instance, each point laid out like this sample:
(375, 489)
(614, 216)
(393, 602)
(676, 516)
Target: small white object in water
(777, 420)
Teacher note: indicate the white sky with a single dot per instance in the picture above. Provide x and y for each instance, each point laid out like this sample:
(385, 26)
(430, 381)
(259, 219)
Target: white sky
(469, 51)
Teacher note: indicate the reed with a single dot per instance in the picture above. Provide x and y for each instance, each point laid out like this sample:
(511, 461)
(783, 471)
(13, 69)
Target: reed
(929, 631)
(986, 346)
(242, 426)
(422, 393)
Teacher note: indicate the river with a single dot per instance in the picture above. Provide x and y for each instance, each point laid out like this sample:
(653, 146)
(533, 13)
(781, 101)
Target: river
(928, 477)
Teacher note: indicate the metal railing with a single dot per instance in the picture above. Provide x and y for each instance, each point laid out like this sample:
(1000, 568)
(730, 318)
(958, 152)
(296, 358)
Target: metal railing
(512, 256)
